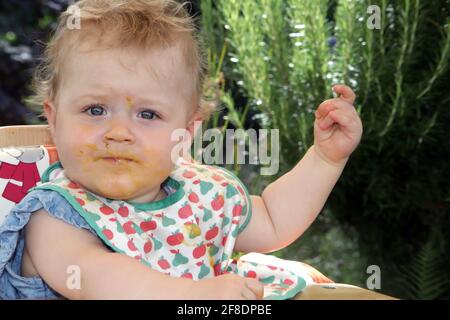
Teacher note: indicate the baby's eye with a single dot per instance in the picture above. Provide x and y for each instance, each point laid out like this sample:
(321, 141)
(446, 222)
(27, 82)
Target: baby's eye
(95, 110)
(147, 114)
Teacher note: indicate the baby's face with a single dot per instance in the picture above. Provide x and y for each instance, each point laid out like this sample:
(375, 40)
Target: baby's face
(114, 115)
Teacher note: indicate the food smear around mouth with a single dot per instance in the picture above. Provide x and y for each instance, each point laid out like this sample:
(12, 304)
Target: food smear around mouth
(122, 175)
(91, 146)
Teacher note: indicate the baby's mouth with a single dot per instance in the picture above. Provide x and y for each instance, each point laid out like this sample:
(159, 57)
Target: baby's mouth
(118, 159)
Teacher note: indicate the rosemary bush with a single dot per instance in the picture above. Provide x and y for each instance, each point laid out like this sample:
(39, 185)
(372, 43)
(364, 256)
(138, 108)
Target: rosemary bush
(274, 61)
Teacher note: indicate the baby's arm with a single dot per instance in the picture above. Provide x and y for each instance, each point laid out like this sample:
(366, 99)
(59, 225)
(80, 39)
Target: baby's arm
(54, 245)
(289, 205)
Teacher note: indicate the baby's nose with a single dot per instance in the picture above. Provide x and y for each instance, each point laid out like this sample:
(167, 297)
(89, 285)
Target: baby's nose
(119, 132)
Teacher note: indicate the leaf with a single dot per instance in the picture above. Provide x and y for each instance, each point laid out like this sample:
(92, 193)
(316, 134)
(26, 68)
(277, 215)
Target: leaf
(425, 278)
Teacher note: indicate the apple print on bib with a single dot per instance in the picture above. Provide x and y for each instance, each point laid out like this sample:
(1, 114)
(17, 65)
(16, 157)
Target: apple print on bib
(191, 233)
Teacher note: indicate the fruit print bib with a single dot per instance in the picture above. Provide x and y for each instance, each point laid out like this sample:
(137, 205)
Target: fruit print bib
(190, 233)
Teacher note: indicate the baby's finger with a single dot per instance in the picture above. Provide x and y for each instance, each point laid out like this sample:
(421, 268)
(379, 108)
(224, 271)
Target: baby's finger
(338, 116)
(248, 294)
(326, 122)
(332, 104)
(345, 93)
(257, 289)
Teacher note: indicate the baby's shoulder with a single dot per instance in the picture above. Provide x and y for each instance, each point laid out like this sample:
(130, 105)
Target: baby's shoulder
(55, 204)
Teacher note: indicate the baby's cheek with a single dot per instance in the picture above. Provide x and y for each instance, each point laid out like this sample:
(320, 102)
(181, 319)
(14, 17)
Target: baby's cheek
(68, 154)
(158, 165)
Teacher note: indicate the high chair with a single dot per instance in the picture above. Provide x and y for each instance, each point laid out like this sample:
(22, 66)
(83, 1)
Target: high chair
(39, 135)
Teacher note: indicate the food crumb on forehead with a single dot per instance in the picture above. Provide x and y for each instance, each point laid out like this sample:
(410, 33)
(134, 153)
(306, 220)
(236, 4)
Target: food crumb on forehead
(129, 102)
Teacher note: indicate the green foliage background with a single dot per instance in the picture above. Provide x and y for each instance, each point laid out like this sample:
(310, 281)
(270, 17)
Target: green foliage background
(274, 61)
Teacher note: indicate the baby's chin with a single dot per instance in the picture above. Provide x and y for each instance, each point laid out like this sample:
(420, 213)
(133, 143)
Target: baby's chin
(127, 195)
(126, 190)
(143, 183)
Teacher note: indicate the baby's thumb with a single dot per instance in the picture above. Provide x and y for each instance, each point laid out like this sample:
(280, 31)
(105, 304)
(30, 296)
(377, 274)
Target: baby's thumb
(257, 288)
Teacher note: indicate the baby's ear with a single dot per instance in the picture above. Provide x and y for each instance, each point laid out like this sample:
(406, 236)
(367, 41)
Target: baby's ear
(50, 114)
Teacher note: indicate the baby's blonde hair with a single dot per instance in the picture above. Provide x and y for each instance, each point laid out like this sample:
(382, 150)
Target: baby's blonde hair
(120, 23)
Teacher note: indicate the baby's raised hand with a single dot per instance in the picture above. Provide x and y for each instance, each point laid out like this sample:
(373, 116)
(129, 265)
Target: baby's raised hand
(337, 128)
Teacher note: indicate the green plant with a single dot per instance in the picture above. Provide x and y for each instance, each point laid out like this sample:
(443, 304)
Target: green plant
(281, 61)
(424, 277)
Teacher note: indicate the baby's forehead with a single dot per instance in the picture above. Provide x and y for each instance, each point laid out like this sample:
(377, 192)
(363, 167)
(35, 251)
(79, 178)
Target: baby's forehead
(90, 40)
(175, 51)
(157, 61)
(112, 70)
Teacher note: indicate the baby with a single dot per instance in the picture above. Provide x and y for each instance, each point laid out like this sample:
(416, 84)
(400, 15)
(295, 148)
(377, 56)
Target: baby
(135, 224)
